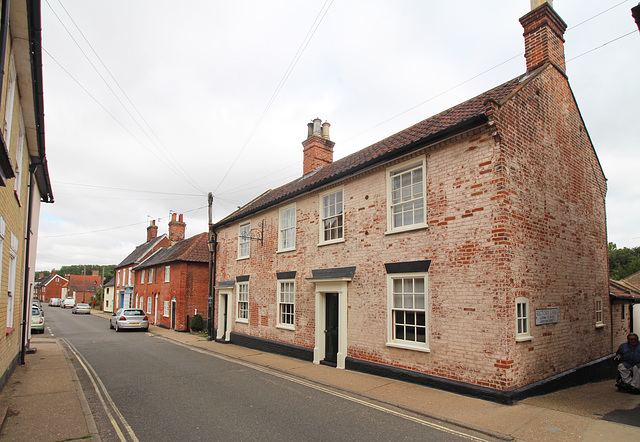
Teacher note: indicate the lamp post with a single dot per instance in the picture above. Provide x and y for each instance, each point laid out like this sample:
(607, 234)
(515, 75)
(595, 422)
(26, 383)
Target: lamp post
(211, 244)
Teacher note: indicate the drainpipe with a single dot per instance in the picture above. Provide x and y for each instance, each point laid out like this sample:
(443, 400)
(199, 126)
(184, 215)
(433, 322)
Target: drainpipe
(26, 301)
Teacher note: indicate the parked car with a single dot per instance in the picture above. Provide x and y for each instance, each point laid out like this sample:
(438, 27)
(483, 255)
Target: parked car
(36, 302)
(37, 320)
(55, 302)
(129, 318)
(81, 308)
(68, 303)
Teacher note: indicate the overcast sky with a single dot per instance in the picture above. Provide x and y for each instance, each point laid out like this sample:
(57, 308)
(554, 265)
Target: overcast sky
(150, 104)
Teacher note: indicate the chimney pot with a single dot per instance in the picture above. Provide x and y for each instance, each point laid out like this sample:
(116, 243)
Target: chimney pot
(317, 148)
(536, 3)
(152, 231)
(310, 129)
(325, 130)
(316, 126)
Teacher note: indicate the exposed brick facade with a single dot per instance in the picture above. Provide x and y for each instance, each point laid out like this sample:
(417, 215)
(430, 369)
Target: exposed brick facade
(187, 284)
(515, 208)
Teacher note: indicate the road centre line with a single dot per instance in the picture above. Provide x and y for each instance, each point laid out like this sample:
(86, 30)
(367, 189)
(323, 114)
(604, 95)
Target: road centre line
(103, 395)
(318, 387)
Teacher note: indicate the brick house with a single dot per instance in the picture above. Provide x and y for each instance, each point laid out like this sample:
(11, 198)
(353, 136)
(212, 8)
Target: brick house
(48, 287)
(124, 271)
(172, 285)
(467, 252)
(24, 172)
(625, 299)
(82, 288)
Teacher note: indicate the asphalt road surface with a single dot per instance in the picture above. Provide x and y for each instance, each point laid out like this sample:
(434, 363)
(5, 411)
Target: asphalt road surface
(143, 387)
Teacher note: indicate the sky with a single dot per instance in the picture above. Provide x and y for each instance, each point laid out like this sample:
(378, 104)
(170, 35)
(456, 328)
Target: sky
(149, 105)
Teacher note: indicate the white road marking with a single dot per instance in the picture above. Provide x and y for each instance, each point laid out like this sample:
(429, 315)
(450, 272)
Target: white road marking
(104, 397)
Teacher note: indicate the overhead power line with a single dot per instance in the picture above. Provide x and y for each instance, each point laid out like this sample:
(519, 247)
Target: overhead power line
(170, 161)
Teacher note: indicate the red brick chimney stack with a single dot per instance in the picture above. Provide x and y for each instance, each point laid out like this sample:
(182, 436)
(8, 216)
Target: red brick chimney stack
(317, 148)
(152, 230)
(543, 36)
(176, 229)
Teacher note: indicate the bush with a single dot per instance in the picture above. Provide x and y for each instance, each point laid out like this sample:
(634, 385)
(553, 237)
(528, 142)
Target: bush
(197, 323)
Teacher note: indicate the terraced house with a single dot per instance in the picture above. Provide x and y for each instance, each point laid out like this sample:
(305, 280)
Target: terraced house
(468, 251)
(24, 173)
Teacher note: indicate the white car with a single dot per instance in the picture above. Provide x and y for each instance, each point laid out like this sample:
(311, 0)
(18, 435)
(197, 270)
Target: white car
(68, 303)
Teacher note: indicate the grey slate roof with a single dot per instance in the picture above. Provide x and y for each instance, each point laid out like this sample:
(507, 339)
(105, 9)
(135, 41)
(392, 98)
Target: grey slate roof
(140, 251)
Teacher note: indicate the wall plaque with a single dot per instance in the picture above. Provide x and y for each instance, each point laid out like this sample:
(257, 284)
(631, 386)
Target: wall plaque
(549, 315)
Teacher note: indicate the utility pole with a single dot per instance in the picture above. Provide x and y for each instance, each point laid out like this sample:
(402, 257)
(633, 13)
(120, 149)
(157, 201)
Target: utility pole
(211, 245)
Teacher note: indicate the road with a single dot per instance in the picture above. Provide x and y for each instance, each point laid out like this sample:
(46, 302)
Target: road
(143, 387)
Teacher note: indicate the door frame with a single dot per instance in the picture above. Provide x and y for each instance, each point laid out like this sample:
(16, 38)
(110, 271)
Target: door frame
(223, 331)
(324, 286)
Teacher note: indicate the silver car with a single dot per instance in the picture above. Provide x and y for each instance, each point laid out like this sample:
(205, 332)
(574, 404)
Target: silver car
(129, 318)
(81, 308)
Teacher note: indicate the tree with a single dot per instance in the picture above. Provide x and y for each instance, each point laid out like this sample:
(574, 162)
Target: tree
(623, 262)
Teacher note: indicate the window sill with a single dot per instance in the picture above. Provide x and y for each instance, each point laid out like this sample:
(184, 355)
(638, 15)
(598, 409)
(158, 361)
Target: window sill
(422, 226)
(600, 325)
(333, 241)
(242, 321)
(286, 327)
(242, 258)
(524, 338)
(414, 347)
(290, 249)
(9, 330)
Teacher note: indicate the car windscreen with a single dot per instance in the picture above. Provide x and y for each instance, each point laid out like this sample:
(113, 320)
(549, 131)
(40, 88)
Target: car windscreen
(133, 313)
(35, 311)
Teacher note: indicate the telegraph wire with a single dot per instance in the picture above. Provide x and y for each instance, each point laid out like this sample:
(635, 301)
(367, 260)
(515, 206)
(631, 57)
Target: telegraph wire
(305, 42)
(109, 229)
(181, 173)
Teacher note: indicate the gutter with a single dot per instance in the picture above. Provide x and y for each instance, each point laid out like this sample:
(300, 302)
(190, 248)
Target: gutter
(35, 45)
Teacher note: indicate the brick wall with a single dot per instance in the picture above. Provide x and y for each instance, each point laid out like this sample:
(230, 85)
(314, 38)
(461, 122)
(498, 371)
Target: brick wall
(514, 210)
(188, 283)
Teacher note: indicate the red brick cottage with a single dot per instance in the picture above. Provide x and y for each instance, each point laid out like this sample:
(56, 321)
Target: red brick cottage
(468, 251)
(83, 287)
(171, 286)
(124, 271)
(48, 287)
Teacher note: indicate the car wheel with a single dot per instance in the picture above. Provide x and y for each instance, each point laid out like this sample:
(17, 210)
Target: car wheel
(145, 329)
(117, 328)
(110, 325)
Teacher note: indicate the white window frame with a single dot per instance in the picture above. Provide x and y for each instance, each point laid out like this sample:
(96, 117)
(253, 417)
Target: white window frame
(11, 283)
(19, 156)
(167, 273)
(286, 287)
(10, 100)
(118, 278)
(150, 275)
(325, 215)
(523, 319)
(142, 276)
(3, 226)
(244, 240)
(129, 275)
(167, 309)
(287, 229)
(149, 304)
(242, 302)
(397, 171)
(408, 344)
(599, 313)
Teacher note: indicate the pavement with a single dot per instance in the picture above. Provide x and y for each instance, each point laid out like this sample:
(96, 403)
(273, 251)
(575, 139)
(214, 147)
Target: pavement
(32, 400)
